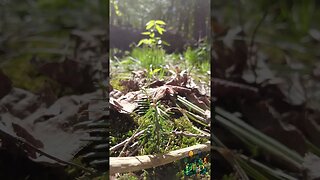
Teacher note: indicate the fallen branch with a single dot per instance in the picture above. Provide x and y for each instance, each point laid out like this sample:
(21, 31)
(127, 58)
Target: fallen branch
(191, 135)
(136, 163)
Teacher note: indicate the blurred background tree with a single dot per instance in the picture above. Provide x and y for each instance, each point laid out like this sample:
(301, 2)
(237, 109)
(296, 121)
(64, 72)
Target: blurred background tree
(189, 18)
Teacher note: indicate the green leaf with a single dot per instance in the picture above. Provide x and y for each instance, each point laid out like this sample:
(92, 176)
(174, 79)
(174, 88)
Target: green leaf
(156, 70)
(165, 43)
(150, 24)
(160, 29)
(160, 22)
(151, 41)
(145, 33)
(152, 35)
(143, 41)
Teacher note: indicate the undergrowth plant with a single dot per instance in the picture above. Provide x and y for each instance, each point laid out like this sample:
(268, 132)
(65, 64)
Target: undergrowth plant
(154, 27)
(157, 122)
(149, 56)
(151, 52)
(160, 124)
(198, 57)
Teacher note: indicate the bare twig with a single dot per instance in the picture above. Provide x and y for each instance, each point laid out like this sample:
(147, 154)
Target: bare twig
(125, 141)
(134, 151)
(129, 140)
(169, 141)
(250, 53)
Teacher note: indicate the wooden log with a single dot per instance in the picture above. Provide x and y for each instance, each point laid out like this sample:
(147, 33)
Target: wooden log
(136, 163)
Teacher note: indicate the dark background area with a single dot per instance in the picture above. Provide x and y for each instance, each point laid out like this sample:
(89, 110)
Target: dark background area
(265, 64)
(53, 70)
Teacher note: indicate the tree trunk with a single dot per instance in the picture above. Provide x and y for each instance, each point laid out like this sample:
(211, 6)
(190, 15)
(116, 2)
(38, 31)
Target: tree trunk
(201, 14)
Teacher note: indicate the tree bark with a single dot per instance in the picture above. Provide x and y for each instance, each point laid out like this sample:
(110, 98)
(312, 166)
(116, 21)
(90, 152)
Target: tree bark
(201, 14)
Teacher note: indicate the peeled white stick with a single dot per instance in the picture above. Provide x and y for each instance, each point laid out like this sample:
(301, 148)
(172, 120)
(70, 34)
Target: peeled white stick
(136, 163)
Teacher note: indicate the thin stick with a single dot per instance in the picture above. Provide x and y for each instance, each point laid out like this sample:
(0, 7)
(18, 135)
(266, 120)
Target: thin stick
(124, 142)
(250, 53)
(134, 151)
(129, 140)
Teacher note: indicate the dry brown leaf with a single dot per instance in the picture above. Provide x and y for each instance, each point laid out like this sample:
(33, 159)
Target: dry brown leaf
(50, 129)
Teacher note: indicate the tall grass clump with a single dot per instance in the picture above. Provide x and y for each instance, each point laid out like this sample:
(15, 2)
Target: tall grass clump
(198, 57)
(149, 56)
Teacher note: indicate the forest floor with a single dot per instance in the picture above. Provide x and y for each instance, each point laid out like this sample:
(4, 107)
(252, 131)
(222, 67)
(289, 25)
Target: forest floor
(158, 110)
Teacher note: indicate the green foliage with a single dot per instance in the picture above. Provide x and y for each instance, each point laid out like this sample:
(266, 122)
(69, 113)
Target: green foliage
(153, 27)
(205, 67)
(183, 124)
(198, 57)
(115, 81)
(128, 176)
(149, 56)
(191, 56)
(116, 7)
(175, 58)
(157, 123)
(25, 76)
(157, 73)
(158, 137)
(178, 14)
